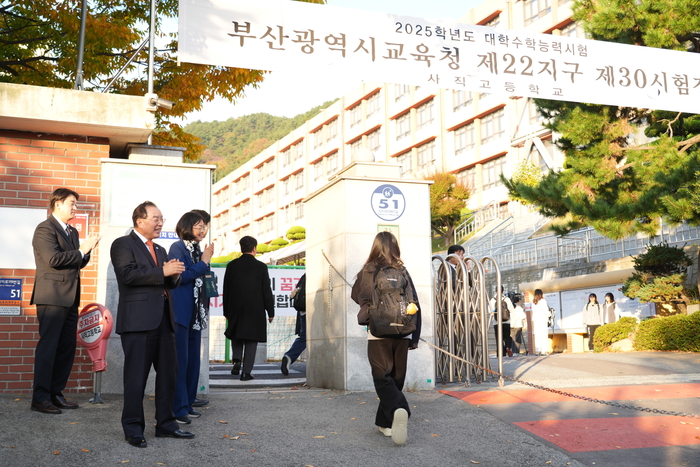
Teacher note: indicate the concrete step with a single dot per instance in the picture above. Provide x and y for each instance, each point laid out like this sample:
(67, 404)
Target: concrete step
(265, 374)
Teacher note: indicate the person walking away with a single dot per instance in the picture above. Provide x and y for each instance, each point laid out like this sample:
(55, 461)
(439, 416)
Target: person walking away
(540, 316)
(299, 344)
(592, 318)
(388, 355)
(247, 296)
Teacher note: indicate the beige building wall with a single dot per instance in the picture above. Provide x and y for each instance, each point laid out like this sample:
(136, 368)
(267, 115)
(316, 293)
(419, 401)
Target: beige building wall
(473, 134)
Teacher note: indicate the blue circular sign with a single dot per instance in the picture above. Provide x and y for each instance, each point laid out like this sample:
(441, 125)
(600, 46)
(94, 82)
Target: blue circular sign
(388, 203)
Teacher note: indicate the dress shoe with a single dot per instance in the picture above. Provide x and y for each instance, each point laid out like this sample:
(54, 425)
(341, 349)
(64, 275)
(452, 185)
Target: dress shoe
(175, 434)
(246, 377)
(62, 403)
(235, 371)
(509, 352)
(200, 402)
(137, 441)
(45, 407)
(185, 419)
(194, 414)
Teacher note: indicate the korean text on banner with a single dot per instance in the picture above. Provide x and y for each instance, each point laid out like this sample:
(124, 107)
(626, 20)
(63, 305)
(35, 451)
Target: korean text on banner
(297, 36)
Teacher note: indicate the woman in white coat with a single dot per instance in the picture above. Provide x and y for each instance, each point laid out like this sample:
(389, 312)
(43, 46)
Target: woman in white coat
(592, 318)
(540, 315)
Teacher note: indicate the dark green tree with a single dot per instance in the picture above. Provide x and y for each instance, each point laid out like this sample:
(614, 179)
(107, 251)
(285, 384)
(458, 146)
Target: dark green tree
(625, 168)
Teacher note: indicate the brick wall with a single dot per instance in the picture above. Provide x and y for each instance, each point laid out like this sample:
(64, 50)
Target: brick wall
(32, 166)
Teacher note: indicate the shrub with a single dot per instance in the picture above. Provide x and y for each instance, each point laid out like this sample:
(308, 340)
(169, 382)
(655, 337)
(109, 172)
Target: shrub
(227, 258)
(678, 332)
(263, 248)
(296, 233)
(610, 333)
(278, 243)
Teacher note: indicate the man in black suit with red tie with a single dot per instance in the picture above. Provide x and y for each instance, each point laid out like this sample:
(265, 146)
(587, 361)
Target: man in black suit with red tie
(145, 323)
(59, 258)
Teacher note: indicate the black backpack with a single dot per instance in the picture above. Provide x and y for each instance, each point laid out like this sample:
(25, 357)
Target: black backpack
(299, 299)
(391, 294)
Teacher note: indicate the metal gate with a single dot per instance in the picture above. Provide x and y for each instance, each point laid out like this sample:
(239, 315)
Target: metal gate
(462, 318)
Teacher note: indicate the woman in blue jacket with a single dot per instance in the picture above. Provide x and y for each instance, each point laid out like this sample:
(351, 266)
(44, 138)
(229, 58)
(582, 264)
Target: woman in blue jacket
(191, 310)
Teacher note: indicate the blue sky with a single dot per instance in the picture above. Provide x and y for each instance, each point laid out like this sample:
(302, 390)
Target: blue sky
(289, 95)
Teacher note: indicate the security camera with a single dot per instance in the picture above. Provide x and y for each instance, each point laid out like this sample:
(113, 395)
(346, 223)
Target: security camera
(155, 101)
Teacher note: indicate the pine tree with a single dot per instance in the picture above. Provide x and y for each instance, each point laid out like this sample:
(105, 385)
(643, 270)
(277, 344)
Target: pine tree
(625, 168)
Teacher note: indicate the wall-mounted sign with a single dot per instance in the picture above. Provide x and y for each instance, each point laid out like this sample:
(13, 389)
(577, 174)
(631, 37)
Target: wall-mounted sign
(10, 296)
(388, 203)
(80, 222)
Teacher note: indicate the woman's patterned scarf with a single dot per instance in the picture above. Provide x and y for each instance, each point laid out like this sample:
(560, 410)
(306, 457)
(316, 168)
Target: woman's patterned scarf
(201, 318)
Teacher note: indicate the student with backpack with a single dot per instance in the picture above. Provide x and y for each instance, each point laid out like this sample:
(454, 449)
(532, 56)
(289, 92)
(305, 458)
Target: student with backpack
(506, 310)
(299, 344)
(389, 306)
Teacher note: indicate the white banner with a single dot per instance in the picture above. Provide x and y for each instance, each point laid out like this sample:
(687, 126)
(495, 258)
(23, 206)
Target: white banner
(282, 280)
(324, 40)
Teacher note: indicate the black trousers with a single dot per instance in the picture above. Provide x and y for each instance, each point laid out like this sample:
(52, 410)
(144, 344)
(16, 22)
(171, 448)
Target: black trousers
(388, 358)
(507, 340)
(246, 355)
(55, 351)
(591, 328)
(141, 351)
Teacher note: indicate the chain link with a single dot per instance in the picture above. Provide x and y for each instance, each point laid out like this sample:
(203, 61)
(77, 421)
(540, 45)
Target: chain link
(567, 394)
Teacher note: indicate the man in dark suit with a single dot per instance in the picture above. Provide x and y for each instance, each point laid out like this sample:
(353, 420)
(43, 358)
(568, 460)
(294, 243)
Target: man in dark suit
(247, 295)
(59, 258)
(145, 323)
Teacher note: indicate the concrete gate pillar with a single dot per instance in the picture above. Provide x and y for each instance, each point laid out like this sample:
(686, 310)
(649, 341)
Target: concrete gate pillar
(343, 218)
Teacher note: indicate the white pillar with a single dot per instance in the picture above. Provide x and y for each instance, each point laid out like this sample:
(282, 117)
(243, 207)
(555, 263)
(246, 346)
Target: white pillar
(343, 218)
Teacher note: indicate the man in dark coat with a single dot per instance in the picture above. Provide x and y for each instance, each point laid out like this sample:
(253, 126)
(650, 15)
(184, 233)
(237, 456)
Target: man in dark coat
(247, 295)
(59, 257)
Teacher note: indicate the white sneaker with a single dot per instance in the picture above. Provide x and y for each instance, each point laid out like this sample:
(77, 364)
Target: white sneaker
(385, 431)
(399, 427)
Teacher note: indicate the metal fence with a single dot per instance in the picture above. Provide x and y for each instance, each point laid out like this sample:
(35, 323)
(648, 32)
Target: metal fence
(582, 246)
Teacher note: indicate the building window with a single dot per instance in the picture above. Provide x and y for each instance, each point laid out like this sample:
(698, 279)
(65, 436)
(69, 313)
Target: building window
(536, 9)
(491, 172)
(298, 150)
(493, 126)
(225, 218)
(287, 215)
(374, 140)
(464, 138)
(259, 200)
(373, 105)
(332, 163)
(318, 138)
(461, 99)
(259, 228)
(403, 126)
(495, 22)
(424, 115)
(573, 31)
(286, 157)
(405, 160)
(355, 146)
(318, 170)
(260, 174)
(356, 115)
(299, 211)
(332, 130)
(401, 91)
(222, 196)
(269, 223)
(285, 187)
(467, 178)
(299, 179)
(269, 168)
(426, 155)
(245, 183)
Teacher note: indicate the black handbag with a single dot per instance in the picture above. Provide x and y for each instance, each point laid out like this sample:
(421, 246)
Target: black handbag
(211, 287)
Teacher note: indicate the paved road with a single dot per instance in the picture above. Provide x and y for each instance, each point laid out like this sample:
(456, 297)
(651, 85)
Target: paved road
(281, 426)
